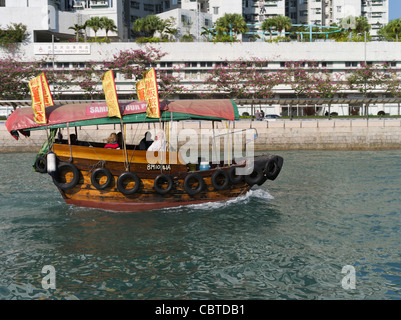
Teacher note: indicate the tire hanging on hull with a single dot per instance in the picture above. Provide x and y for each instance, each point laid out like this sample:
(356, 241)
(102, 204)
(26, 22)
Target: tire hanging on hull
(220, 180)
(101, 172)
(188, 184)
(160, 181)
(68, 167)
(122, 186)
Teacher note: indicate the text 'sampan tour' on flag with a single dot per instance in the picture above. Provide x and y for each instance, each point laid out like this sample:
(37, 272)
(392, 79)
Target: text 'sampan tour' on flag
(41, 97)
(110, 92)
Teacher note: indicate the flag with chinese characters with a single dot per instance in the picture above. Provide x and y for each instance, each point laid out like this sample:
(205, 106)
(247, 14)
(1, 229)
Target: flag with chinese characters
(41, 97)
(151, 94)
(140, 90)
(110, 92)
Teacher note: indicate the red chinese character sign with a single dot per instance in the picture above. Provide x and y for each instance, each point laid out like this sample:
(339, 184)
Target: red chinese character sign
(151, 94)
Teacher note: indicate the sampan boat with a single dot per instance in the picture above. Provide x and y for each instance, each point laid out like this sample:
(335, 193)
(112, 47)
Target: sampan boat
(124, 179)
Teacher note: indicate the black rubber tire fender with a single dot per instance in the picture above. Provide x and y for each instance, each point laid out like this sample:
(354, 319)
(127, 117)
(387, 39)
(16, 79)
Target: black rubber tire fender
(234, 178)
(41, 164)
(216, 179)
(271, 169)
(162, 179)
(188, 187)
(101, 171)
(69, 167)
(255, 177)
(120, 183)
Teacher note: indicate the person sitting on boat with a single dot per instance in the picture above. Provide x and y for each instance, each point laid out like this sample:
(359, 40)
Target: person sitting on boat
(159, 144)
(112, 142)
(73, 139)
(146, 142)
(120, 138)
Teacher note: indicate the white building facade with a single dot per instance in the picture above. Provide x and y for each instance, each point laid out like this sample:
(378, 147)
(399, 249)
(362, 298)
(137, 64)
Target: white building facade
(54, 17)
(326, 12)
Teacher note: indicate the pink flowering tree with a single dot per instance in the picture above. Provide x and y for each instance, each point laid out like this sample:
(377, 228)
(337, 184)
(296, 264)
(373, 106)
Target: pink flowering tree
(14, 78)
(242, 79)
(88, 78)
(366, 80)
(133, 63)
(392, 82)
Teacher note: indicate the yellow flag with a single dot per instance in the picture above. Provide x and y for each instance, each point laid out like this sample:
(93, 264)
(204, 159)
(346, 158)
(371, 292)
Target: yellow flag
(140, 90)
(151, 94)
(41, 97)
(110, 92)
(46, 91)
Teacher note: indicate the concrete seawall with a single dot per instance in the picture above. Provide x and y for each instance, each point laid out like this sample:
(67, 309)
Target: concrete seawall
(335, 134)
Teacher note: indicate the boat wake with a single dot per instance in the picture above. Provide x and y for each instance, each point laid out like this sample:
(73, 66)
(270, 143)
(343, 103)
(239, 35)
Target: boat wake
(244, 199)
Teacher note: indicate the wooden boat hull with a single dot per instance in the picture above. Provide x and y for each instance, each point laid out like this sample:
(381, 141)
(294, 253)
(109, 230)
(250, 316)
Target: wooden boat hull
(90, 191)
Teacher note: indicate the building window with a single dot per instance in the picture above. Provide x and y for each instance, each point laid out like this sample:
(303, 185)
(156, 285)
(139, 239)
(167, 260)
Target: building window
(2, 3)
(349, 64)
(215, 10)
(135, 5)
(148, 7)
(185, 19)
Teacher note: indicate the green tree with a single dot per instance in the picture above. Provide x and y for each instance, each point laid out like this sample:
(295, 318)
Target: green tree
(77, 28)
(282, 23)
(169, 29)
(108, 25)
(231, 24)
(356, 25)
(392, 31)
(149, 25)
(14, 33)
(269, 25)
(362, 25)
(95, 23)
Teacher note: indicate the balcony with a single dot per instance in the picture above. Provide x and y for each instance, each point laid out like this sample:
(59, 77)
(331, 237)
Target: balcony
(99, 4)
(79, 4)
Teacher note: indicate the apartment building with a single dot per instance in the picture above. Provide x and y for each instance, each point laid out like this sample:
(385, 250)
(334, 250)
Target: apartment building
(326, 12)
(45, 18)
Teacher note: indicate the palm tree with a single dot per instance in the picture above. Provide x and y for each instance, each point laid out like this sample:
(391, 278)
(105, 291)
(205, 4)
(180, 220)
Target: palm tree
(108, 25)
(77, 28)
(362, 25)
(395, 27)
(231, 22)
(268, 25)
(208, 32)
(148, 25)
(282, 23)
(95, 24)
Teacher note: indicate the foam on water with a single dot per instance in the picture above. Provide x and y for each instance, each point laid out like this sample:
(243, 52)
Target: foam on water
(243, 199)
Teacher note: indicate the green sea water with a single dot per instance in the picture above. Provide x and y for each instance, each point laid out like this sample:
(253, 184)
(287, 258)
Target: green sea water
(288, 239)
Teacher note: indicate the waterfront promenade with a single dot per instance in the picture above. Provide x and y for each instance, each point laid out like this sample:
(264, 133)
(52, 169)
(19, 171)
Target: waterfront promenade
(283, 134)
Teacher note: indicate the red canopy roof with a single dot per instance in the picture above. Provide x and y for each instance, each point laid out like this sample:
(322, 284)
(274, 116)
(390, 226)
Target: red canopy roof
(22, 118)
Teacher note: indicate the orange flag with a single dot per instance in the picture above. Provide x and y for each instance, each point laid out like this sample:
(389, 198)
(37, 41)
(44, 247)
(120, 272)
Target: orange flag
(110, 92)
(41, 97)
(151, 94)
(140, 90)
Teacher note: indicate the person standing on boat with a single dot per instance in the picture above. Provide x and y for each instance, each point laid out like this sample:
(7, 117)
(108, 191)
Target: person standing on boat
(146, 142)
(112, 142)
